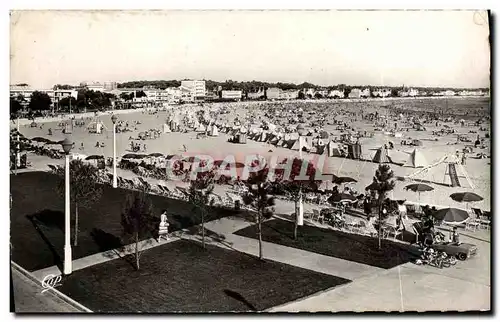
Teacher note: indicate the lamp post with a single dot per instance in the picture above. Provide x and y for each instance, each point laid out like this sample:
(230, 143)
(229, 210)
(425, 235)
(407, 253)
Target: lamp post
(67, 145)
(18, 148)
(299, 213)
(115, 182)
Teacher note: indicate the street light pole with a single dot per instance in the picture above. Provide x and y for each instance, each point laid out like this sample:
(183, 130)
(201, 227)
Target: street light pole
(115, 180)
(300, 211)
(67, 145)
(18, 154)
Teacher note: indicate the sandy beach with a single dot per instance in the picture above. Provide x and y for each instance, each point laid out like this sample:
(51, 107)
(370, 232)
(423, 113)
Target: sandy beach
(218, 147)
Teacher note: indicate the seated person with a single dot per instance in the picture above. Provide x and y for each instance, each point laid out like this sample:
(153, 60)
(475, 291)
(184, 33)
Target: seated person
(455, 236)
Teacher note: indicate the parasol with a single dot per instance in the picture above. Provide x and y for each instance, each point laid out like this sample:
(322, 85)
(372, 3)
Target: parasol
(133, 156)
(341, 197)
(451, 215)
(466, 197)
(95, 157)
(419, 187)
(155, 155)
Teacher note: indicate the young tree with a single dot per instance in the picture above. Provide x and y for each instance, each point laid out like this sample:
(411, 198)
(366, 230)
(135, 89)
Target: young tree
(199, 196)
(84, 190)
(258, 197)
(40, 101)
(66, 102)
(294, 186)
(137, 220)
(383, 182)
(15, 108)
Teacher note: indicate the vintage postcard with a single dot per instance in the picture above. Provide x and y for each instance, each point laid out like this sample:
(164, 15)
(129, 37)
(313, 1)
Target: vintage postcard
(250, 161)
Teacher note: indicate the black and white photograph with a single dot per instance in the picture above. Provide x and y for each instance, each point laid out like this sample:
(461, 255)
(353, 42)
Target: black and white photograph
(250, 161)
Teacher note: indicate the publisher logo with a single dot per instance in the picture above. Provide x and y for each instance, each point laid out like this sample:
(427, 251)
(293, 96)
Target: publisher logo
(50, 282)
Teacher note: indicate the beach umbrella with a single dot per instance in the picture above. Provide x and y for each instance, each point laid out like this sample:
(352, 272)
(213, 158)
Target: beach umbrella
(342, 180)
(95, 157)
(40, 139)
(155, 155)
(341, 197)
(466, 197)
(419, 187)
(451, 215)
(133, 156)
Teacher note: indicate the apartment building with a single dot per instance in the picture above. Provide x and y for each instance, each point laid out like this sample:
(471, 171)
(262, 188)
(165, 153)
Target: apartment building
(197, 89)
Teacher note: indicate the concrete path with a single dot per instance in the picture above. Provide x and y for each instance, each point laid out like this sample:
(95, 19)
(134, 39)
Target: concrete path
(409, 287)
(99, 258)
(28, 297)
(288, 255)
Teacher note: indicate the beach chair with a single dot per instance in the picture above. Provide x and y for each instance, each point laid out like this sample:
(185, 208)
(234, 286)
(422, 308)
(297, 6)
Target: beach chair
(394, 232)
(353, 226)
(484, 221)
(120, 182)
(472, 224)
(371, 231)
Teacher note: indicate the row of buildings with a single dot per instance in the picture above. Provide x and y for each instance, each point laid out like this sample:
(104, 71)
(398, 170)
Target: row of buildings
(191, 91)
(55, 95)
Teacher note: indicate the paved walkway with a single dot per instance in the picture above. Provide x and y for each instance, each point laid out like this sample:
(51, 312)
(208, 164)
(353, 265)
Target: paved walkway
(220, 233)
(409, 287)
(102, 257)
(28, 297)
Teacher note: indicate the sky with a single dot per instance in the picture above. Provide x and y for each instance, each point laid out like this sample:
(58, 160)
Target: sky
(381, 48)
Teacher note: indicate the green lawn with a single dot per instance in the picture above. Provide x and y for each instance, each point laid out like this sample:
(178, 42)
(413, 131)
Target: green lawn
(352, 247)
(182, 277)
(38, 243)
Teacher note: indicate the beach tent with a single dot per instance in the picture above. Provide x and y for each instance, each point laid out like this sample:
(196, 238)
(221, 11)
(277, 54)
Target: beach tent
(242, 138)
(416, 159)
(354, 151)
(214, 131)
(263, 136)
(275, 140)
(201, 128)
(96, 126)
(166, 128)
(381, 156)
(334, 149)
(301, 143)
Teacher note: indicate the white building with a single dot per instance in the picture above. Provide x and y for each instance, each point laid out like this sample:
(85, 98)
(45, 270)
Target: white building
(232, 95)
(109, 86)
(382, 92)
(274, 93)
(255, 95)
(55, 95)
(290, 94)
(365, 93)
(335, 93)
(196, 87)
(96, 87)
(355, 93)
(59, 94)
(187, 95)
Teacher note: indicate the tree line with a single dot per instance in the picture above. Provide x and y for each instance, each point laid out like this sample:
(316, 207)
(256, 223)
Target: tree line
(253, 86)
